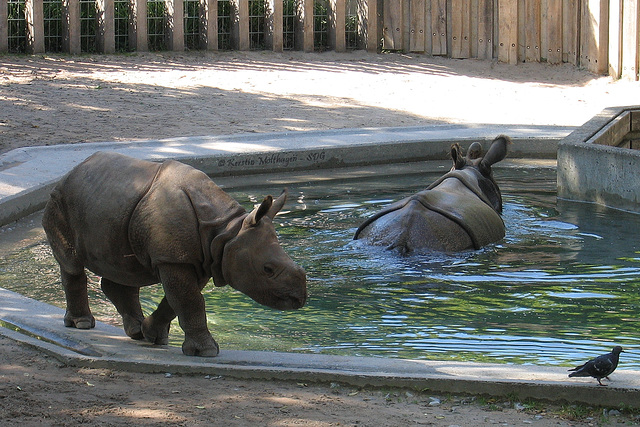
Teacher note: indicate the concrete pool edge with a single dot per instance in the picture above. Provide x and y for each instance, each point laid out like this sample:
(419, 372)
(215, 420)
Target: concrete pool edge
(27, 175)
(107, 347)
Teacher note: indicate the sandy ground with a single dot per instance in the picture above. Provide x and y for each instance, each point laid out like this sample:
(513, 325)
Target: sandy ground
(48, 100)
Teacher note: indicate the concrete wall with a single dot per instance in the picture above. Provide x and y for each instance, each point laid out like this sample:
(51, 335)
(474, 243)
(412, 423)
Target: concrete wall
(593, 172)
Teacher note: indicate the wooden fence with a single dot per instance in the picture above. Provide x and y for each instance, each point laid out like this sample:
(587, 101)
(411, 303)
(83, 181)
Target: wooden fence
(599, 35)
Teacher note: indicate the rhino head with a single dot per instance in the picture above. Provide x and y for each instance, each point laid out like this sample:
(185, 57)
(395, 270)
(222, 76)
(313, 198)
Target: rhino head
(254, 263)
(478, 167)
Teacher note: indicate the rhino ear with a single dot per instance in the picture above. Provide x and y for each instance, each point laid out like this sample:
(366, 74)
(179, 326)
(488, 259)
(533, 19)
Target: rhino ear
(256, 215)
(474, 151)
(497, 151)
(456, 156)
(277, 204)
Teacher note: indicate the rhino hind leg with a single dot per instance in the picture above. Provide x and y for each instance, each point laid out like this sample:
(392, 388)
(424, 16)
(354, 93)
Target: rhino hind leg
(74, 279)
(78, 314)
(126, 299)
(155, 327)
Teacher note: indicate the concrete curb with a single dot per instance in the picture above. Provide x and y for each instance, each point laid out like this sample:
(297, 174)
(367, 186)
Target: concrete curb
(27, 175)
(108, 347)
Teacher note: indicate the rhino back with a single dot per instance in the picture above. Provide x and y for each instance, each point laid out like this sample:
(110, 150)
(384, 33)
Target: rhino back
(98, 198)
(178, 218)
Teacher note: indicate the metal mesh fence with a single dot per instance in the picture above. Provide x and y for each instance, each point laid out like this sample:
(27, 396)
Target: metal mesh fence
(192, 33)
(224, 25)
(16, 26)
(321, 24)
(88, 26)
(289, 24)
(52, 12)
(122, 25)
(257, 10)
(351, 25)
(157, 24)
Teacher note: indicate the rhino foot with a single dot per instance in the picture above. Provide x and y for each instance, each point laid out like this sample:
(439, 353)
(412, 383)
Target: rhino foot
(79, 322)
(155, 333)
(133, 326)
(191, 347)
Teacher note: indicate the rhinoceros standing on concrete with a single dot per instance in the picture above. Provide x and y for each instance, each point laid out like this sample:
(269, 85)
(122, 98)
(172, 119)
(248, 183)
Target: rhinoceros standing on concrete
(137, 223)
(461, 210)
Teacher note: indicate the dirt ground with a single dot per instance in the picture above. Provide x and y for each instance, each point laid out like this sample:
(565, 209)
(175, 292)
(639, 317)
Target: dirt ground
(48, 100)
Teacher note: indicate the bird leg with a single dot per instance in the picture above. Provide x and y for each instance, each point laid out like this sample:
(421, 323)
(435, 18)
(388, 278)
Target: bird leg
(603, 385)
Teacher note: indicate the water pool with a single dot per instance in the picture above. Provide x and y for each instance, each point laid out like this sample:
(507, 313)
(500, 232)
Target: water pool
(563, 286)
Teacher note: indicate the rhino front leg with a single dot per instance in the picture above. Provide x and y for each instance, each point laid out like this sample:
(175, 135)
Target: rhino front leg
(183, 293)
(126, 299)
(78, 314)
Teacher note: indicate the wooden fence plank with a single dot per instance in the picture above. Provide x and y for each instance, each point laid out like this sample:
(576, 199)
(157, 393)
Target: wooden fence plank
(372, 26)
(615, 38)
(593, 34)
(508, 31)
(630, 41)
(460, 28)
(393, 28)
(554, 31)
(485, 29)
(570, 31)
(417, 26)
(532, 31)
(438, 27)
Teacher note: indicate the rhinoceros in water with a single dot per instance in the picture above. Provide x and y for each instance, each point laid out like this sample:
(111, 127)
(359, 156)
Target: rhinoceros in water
(137, 223)
(460, 211)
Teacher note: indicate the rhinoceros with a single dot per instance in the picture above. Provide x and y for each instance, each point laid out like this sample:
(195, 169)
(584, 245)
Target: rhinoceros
(459, 211)
(136, 223)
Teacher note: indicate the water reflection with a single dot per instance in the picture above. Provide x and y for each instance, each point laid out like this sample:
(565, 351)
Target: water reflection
(562, 286)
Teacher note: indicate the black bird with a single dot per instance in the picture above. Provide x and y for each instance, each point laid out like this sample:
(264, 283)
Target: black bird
(599, 367)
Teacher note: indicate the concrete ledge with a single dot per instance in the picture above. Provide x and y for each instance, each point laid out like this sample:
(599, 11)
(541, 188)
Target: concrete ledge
(591, 168)
(41, 326)
(27, 175)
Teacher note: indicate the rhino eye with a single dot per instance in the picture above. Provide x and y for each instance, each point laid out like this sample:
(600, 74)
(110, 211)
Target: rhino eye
(268, 270)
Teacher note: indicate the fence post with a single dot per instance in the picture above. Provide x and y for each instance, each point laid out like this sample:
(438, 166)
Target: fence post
(71, 26)
(508, 31)
(571, 31)
(594, 35)
(438, 27)
(175, 20)
(35, 26)
(371, 27)
(393, 24)
(337, 33)
(210, 24)
(4, 26)
(307, 25)
(140, 27)
(630, 40)
(106, 26)
(275, 28)
(241, 28)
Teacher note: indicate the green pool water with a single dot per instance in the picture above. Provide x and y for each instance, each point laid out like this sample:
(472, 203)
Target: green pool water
(563, 286)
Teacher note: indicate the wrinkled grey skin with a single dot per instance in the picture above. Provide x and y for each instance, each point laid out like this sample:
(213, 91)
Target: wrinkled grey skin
(459, 211)
(136, 223)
